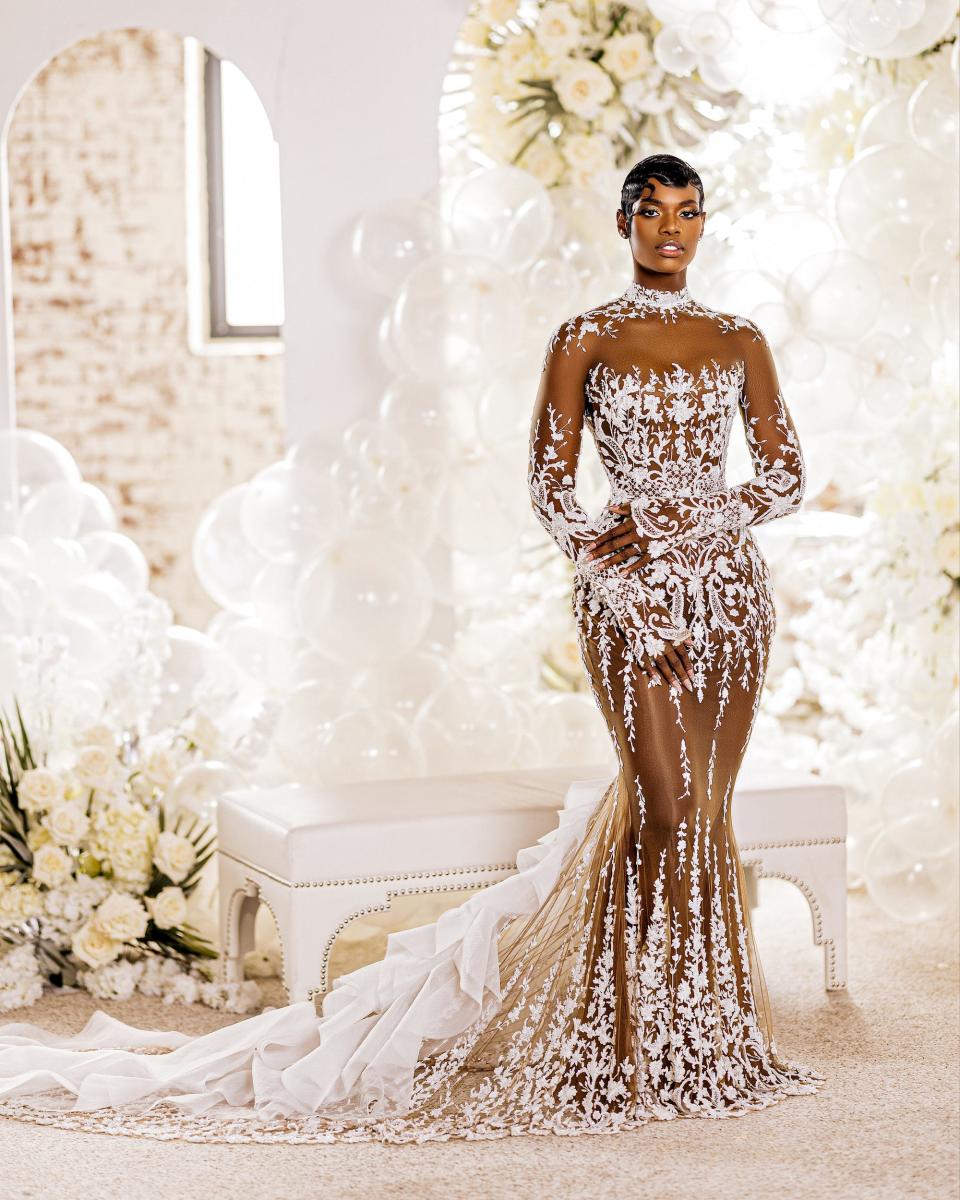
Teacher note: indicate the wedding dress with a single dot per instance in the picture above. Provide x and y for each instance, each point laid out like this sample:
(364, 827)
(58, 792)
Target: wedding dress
(613, 979)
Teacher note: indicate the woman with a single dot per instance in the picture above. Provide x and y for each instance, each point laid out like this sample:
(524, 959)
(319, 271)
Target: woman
(613, 979)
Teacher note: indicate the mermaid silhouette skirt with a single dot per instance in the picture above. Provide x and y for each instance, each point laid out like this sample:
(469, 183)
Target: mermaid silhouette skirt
(612, 980)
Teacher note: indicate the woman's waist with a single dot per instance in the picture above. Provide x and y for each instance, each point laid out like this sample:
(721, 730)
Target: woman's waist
(671, 481)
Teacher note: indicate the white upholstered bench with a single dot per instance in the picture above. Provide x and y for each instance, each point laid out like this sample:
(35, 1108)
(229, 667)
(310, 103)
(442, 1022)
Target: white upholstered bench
(319, 857)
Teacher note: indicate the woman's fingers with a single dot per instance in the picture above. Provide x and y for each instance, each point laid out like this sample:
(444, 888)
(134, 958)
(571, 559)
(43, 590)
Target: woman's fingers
(613, 539)
(674, 666)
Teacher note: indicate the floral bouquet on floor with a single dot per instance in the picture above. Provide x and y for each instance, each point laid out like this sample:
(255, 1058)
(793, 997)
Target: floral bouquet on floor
(95, 873)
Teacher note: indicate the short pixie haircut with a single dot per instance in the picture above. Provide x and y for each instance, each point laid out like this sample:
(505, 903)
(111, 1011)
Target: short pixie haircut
(666, 168)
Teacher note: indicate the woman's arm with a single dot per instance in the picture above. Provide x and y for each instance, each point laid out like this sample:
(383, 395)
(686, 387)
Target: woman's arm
(555, 441)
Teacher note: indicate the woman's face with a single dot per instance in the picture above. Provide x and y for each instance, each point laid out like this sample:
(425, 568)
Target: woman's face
(665, 216)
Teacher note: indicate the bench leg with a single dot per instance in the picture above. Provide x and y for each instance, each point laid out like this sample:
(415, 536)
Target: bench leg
(820, 872)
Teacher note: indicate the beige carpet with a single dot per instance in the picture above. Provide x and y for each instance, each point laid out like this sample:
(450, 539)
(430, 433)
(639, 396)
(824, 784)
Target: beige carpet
(886, 1124)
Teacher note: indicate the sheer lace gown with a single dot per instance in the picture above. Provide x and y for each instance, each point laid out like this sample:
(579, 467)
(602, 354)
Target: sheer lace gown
(613, 979)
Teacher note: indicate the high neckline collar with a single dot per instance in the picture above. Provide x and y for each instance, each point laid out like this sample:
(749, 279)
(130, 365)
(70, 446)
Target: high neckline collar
(636, 293)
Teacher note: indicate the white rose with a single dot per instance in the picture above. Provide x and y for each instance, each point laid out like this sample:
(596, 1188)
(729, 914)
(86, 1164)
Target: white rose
(39, 789)
(587, 152)
(523, 58)
(96, 767)
(627, 56)
(644, 95)
(948, 552)
(17, 902)
(100, 735)
(94, 947)
(558, 30)
(37, 836)
(543, 161)
(174, 856)
(499, 12)
(51, 865)
(168, 908)
(160, 767)
(121, 917)
(68, 823)
(204, 734)
(583, 89)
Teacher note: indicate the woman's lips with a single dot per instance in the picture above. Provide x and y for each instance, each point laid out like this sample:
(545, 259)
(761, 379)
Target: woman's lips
(669, 252)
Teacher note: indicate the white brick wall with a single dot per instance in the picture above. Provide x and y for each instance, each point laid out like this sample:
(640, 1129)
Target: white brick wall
(96, 156)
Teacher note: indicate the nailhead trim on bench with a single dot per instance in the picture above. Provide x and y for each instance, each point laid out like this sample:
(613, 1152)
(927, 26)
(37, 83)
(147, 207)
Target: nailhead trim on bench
(298, 883)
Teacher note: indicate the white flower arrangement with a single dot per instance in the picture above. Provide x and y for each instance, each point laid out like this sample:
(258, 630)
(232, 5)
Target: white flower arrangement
(569, 89)
(93, 884)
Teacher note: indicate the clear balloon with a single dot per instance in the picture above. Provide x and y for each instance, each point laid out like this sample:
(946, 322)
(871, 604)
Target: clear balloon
(304, 723)
(401, 686)
(467, 726)
(454, 315)
(199, 786)
(837, 295)
(933, 117)
(363, 601)
(289, 511)
(389, 240)
(502, 213)
(66, 509)
(912, 790)
(910, 886)
(901, 172)
(195, 661)
(119, 556)
(223, 559)
(369, 744)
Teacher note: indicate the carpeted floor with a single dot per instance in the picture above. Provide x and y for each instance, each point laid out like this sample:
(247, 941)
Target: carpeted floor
(886, 1124)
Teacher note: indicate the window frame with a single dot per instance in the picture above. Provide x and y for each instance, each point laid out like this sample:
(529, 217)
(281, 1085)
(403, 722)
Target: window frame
(219, 328)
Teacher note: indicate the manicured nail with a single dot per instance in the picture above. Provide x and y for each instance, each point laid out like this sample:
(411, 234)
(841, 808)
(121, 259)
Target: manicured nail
(688, 685)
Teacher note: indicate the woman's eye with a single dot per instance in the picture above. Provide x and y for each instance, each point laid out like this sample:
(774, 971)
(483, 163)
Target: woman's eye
(654, 212)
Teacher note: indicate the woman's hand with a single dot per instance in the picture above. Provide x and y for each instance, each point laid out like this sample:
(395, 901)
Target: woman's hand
(673, 665)
(621, 542)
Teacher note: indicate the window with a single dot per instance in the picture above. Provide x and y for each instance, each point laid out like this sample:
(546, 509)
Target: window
(244, 257)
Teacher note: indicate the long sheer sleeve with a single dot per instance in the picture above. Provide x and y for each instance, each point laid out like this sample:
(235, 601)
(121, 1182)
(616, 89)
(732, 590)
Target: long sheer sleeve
(778, 483)
(556, 434)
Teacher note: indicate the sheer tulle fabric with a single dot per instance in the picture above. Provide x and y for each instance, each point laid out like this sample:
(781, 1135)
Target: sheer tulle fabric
(614, 979)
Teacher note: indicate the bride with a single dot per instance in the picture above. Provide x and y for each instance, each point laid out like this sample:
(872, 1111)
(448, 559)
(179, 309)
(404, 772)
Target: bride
(614, 978)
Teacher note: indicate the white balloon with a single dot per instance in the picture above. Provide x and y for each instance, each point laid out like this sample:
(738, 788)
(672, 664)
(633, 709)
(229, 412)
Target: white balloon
(304, 723)
(369, 744)
(400, 686)
(66, 509)
(199, 786)
(363, 601)
(195, 661)
(837, 294)
(502, 213)
(454, 315)
(910, 886)
(225, 562)
(467, 726)
(390, 239)
(29, 460)
(265, 655)
(289, 511)
(117, 555)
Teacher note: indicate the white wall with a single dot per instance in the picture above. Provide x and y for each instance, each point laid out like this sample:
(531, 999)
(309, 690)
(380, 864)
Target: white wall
(353, 104)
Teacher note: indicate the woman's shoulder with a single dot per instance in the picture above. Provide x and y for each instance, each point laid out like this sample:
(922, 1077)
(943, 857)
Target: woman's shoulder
(743, 329)
(584, 330)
